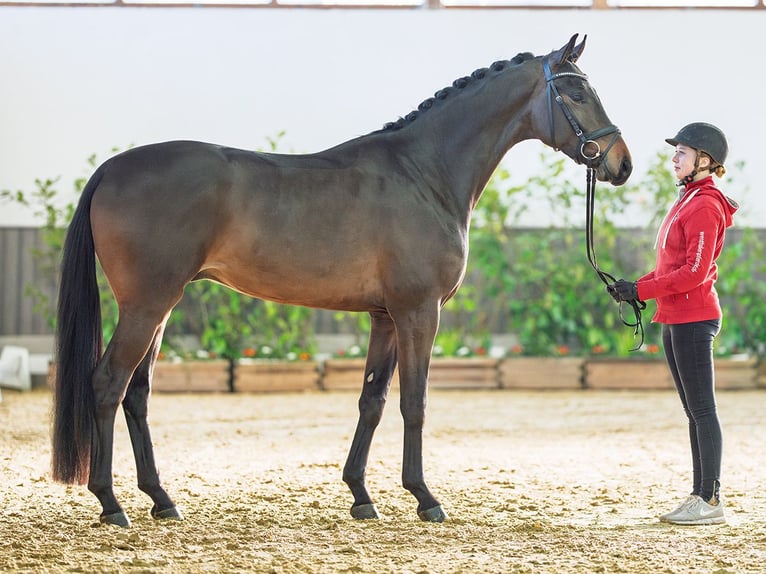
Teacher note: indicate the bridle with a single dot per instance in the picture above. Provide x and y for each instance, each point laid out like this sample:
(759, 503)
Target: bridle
(592, 161)
(586, 140)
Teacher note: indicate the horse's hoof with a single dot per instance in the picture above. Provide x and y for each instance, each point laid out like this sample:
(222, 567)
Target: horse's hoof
(117, 519)
(365, 512)
(435, 514)
(171, 513)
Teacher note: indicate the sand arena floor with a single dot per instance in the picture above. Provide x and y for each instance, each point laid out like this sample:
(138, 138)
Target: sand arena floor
(561, 482)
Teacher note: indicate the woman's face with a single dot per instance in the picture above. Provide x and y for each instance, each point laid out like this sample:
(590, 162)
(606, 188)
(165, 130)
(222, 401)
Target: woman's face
(683, 161)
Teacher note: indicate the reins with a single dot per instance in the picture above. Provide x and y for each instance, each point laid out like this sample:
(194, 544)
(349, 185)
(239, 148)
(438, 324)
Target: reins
(592, 161)
(607, 278)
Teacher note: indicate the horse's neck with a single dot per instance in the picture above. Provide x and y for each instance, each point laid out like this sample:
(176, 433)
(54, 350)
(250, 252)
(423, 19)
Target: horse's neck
(459, 144)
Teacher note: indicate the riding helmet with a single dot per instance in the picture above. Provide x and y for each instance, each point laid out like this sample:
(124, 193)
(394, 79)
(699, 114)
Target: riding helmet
(703, 137)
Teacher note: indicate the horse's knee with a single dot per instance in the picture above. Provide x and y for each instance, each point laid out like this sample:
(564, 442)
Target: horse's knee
(371, 409)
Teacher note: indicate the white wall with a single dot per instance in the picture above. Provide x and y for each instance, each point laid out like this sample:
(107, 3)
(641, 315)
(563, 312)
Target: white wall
(81, 80)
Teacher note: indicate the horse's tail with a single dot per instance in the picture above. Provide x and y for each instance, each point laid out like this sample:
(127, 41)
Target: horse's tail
(79, 346)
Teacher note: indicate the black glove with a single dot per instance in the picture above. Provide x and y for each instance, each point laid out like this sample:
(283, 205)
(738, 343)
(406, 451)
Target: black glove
(622, 290)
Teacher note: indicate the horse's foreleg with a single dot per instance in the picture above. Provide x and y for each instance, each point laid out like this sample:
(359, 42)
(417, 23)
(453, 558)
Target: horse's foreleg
(379, 368)
(135, 406)
(110, 379)
(416, 332)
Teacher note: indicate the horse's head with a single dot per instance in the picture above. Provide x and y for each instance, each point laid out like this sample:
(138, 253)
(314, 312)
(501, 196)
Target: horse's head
(569, 116)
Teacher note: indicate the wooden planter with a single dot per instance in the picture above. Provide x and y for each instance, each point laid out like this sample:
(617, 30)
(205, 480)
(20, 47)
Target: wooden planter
(760, 379)
(646, 373)
(464, 373)
(50, 378)
(182, 376)
(541, 373)
(344, 374)
(253, 375)
(736, 373)
(627, 373)
(191, 376)
(445, 372)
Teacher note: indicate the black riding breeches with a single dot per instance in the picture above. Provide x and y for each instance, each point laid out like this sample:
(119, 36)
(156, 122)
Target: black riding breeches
(689, 353)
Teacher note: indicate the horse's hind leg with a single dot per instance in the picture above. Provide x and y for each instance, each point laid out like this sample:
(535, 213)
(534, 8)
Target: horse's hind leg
(379, 368)
(135, 406)
(128, 346)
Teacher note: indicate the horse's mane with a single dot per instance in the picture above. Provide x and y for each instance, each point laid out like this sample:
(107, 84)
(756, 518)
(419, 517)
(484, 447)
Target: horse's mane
(459, 84)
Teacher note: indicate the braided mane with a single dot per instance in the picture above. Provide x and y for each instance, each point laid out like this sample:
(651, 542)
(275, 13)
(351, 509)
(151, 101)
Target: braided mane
(459, 84)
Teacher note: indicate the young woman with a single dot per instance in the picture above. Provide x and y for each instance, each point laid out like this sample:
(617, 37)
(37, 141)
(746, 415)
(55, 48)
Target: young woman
(689, 241)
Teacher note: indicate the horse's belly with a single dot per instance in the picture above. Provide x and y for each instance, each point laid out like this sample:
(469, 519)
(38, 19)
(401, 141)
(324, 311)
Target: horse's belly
(325, 285)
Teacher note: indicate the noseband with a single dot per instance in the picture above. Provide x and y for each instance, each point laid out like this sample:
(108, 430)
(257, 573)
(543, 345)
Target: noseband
(592, 161)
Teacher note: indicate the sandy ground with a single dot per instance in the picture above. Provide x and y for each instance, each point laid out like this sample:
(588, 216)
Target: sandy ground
(564, 482)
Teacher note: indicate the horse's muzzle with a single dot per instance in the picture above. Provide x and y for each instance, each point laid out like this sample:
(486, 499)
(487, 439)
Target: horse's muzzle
(623, 171)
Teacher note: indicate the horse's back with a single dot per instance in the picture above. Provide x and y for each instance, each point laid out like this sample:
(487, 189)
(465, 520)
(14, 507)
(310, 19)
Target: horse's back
(293, 228)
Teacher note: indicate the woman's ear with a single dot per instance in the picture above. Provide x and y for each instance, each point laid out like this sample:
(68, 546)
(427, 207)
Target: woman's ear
(705, 161)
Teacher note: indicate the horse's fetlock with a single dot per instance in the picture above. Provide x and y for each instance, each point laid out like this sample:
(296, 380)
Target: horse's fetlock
(99, 490)
(352, 479)
(413, 486)
(149, 488)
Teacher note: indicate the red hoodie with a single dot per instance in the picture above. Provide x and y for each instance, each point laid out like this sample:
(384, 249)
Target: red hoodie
(688, 243)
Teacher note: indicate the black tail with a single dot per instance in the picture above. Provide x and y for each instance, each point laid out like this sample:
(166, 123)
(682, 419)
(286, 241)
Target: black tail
(79, 346)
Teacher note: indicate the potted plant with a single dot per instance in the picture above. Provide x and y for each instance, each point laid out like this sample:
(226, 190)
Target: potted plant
(266, 346)
(259, 370)
(282, 356)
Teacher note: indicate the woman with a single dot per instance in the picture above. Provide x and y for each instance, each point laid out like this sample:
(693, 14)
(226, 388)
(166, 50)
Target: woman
(689, 241)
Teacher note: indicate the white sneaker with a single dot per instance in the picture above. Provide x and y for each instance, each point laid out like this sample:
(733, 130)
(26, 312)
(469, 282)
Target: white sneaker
(696, 511)
(679, 508)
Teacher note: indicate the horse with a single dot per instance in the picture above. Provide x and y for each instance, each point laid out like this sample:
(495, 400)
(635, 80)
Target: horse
(377, 224)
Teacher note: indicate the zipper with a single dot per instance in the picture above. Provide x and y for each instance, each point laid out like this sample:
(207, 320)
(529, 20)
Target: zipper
(672, 221)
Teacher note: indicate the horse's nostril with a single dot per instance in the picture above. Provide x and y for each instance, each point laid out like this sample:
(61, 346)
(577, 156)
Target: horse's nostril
(627, 166)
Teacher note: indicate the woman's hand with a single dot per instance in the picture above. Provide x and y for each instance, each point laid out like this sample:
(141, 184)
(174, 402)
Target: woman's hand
(622, 290)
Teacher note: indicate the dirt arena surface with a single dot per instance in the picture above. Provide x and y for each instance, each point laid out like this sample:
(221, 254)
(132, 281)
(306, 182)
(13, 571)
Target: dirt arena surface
(561, 482)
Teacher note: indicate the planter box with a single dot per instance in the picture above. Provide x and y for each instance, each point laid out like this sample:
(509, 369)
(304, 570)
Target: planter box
(642, 373)
(254, 375)
(760, 379)
(627, 373)
(445, 372)
(541, 373)
(344, 375)
(183, 376)
(464, 373)
(50, 378)
(736, 373)
(191, 376)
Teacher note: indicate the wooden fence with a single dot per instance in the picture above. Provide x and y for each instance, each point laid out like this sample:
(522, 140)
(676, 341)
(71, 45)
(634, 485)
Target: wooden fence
(19, 270)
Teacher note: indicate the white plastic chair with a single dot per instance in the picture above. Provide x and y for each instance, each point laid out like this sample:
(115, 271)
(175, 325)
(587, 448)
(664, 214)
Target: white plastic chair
(14, 368)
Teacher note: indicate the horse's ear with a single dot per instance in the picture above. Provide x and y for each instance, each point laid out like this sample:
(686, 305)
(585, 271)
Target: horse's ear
(578, 50)
(568, 53)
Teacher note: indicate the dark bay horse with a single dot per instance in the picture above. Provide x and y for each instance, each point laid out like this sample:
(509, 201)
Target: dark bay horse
(378, 224)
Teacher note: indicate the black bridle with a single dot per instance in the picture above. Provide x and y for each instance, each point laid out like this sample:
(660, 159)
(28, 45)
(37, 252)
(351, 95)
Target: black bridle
(592, 160)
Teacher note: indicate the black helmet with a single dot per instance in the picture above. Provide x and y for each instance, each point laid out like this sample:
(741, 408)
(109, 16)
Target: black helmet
(703, 137)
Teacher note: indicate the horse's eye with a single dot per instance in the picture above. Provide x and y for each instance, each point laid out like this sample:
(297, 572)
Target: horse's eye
(577, 97)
